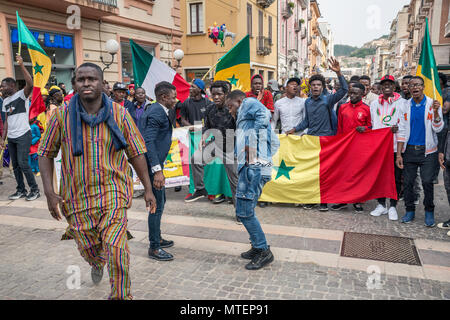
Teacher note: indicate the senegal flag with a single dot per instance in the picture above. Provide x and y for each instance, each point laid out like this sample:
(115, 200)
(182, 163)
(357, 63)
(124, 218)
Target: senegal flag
(234, 66)
(349, 168)
(42, 66)
(427, 69)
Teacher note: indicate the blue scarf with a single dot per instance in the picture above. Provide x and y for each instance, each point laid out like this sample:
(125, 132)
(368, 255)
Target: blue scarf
(77, 113)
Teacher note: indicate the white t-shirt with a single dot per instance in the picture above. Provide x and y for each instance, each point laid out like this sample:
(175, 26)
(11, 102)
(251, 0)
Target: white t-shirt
(17, 108)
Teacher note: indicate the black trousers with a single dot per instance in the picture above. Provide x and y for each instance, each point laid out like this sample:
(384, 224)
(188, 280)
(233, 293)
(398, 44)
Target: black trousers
(447, 181)
(19, 149)
(414, 158)
(398, 184)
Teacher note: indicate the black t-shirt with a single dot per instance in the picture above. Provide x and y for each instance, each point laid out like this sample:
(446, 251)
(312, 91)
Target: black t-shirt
(195, 111)
(222, 120)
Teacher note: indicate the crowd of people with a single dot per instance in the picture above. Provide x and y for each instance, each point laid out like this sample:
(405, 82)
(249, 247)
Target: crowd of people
(98, 131)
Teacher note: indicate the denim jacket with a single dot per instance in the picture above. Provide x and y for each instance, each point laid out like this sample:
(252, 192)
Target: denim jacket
(253, 129)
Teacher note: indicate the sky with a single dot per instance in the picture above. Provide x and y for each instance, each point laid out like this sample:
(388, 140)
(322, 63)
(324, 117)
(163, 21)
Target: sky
(355, 22)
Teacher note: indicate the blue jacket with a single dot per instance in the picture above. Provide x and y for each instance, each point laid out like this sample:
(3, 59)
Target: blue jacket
(35, 134)
(320, 119)
(253, 129)
(157, 133)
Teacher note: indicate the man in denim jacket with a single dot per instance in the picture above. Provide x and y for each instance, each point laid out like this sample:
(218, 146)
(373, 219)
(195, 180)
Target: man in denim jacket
(256, 144)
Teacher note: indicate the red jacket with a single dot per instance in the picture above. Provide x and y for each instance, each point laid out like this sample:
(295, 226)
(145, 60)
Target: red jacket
(352, 116)
(267, 99)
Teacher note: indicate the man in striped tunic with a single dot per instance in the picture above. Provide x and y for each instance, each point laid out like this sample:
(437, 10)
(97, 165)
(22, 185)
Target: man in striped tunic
(97, 138)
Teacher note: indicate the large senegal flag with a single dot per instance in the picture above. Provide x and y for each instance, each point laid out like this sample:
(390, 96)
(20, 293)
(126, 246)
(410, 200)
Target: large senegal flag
(427, 68)
(42, 66)
(149, 71)
(350, 168)
(234, 66)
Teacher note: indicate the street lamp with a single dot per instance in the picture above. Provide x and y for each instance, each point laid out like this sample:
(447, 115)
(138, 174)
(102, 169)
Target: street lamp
(178, 55)
(112, 46)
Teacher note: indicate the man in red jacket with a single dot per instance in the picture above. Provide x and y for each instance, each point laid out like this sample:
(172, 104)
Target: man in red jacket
(354, 115)
(258, 92)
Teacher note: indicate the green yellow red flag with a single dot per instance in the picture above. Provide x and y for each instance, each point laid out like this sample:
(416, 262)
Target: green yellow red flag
(427, 68)
(41, 66)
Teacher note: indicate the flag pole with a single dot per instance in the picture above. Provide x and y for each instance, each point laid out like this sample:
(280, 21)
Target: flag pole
(213, 67)
(434, 86)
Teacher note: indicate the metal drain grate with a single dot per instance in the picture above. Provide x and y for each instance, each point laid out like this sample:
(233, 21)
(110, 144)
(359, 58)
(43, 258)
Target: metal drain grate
(378, 247)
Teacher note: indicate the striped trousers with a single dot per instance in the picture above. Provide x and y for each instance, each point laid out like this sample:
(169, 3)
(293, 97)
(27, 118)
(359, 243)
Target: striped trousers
(101, 237)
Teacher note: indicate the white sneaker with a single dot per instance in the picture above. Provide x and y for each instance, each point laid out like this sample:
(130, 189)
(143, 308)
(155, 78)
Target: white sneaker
(379, 210)
(448, 233)
(393, 214)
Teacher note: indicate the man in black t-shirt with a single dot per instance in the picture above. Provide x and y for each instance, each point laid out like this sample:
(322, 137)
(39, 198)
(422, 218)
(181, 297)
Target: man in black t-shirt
(193, 110)
(219, 119)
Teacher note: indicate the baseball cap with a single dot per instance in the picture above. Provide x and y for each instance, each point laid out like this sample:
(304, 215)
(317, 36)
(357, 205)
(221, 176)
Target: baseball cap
(299, 82)
(387, 78)
(200, 83)
(273, 84)
(119, 86)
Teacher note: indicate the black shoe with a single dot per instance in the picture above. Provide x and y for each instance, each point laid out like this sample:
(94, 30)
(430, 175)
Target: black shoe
(96, 275)
(219, 199)
(18, 195)
(178, 189)
(323, 207)
(358, 208)
(166, 243)
(230, 200)
(198, 194)
(262, 258)
(33, 195)
(238, 221)
(444, 225)
(308, 206)
(159, 255)
(263, 204)
(337, 207)
(250, 254)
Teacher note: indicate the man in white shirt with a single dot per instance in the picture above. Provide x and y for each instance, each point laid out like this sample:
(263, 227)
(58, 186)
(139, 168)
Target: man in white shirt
(369, 96)
(290, 109)
(16, 107)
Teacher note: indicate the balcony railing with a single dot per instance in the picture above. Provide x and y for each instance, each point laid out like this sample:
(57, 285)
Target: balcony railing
(264, 46)
(264, 3)
(286, 11)
(304, 33)
(111, 3)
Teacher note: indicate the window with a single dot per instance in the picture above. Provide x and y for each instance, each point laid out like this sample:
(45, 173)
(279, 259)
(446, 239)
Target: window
(282, 36)
(196, 13)
(261, 23)
(270, 29)
(270, 75)
(127, 60)
(249, 19)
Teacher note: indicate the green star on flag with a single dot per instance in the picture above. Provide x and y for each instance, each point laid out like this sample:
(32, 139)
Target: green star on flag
(283, 170)
(233, 80)
(38, 69)
(169, 158)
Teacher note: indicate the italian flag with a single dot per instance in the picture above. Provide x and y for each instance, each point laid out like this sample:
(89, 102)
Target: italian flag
(42, 66)
(427, 69)
(149, 71)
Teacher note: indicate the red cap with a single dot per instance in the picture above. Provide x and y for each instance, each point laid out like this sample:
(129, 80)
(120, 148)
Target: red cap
(387, 78)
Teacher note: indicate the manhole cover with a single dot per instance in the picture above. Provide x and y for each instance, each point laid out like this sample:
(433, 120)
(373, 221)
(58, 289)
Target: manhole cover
(378, 247)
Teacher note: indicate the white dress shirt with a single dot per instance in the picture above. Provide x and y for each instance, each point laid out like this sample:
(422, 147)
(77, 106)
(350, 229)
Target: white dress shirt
(290, 112)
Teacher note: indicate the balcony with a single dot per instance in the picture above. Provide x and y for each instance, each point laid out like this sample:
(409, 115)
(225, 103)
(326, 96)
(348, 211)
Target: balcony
(447, 30)
(264, 3)
(286, 10)
(91, 9)
(303, 34)
(297, 26)
(292, 55)
(264, 46)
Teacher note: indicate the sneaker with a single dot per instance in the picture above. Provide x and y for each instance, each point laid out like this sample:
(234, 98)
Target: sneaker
(219, 199)
(448, 233)
(379, 210)
(18, 195)
(38, 174)
(96, 275)
(198, 194)
(262, 258)
(188, 196)
(308, 206)
(138, 194)
(429, 219)
(250, 254)
(337, 207)
(323, 207)
(263, 204)
(238, 221)
(416, 202)
(33, 195)
(297, 205)
(393, 216)
(178, 189)
(358, 208)
(408, 217)
(444, 225)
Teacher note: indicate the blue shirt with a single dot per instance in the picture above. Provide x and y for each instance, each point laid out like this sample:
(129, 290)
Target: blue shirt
(417, 136)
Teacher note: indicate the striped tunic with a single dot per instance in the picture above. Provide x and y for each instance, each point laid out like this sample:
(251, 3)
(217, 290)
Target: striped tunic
(99, 179)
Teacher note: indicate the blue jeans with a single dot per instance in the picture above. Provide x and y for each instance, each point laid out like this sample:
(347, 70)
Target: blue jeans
(154, 220)
(249, 188)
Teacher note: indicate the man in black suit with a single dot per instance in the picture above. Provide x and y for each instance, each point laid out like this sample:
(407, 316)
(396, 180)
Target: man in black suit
(156, 128)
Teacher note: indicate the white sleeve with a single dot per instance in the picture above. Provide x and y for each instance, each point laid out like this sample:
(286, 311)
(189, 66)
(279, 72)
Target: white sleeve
(276, 116)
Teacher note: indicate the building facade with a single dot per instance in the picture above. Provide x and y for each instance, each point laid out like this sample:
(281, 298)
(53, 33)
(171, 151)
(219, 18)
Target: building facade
(398, 41)
(314, 40)
(258, 18)
(293, 30)
(75, 31)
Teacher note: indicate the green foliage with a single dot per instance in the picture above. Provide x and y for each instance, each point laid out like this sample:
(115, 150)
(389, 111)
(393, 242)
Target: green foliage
(363, 52)
(343, 50)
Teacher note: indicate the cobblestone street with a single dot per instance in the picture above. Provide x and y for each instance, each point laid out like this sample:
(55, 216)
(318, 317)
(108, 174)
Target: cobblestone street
(35, 264)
